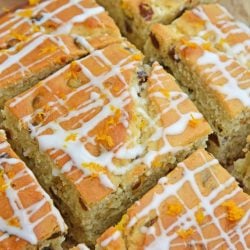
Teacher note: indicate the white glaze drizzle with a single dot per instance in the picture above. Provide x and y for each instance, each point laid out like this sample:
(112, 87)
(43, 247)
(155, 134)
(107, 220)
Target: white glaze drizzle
(232, 88)
(26, 229)
(64, 27)
(82, 247)
(114, 237)
(224, 27)
(38, 38)
(187, 220)
(77, 150)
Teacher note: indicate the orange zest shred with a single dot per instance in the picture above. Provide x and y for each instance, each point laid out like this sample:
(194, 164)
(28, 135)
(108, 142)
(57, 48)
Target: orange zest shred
(94, 167)
(14, 222)
(25, 13)
(123, 222)
(188, 43)
(105, 138)
(199, 216)
(18, 36)
(74, 69)
(3, 185)
(35, 28)
(71, 137)
(40, 116)
(34, 2)
(165, 93)
(113, 120)
(47, 50)
(156, 163)
(234, 213)
(207, 46)
(193, 122)
(174, 209)
(185, 233)
(137, 57)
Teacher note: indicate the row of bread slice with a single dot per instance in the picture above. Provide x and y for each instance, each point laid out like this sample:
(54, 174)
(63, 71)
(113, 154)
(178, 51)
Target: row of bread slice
(198, 204)
(207, 51)
(101, 131)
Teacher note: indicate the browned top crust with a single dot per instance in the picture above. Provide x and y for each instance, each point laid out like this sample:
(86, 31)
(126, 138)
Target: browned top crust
(100, 128)
(35, 42)
(216, 48)
(198, 205)
(27, 214)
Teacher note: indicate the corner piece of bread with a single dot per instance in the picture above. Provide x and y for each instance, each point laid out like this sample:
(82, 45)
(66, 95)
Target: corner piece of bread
(198, 205)
(28, 218)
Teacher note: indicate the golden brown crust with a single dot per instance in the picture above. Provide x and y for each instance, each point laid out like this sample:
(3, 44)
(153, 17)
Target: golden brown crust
(198, 204)
(52, 34)
(213, 68)
(54, 100)
(56, 17)
(27, 213)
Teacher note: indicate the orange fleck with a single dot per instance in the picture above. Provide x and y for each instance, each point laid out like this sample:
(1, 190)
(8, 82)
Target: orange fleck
(184, 234)
(189, 43)
(142, 124)
(47, 50)
(193, 122)
(123, 222)
(174, 209)
(207, 46)
(137, 57)
(165, 93)
(95, 167)
(35, 28)
(18, 36)
(156, 163)
(199, 216)
(234, 212)
(25, 13)
(105, 138)
(34, 2)
(74, 69)
(3, 185)
(14, 222)
(71, 137)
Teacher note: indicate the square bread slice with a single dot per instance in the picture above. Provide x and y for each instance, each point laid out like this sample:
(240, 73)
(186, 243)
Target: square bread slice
(68, 30)
(101, 132)
(197, 206)
(135, 17)
(28, 218)
(242, 168)
(208, 53)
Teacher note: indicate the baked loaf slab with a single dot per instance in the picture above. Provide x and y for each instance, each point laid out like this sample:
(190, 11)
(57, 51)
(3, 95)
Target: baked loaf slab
(28, 218)
(108, 127)
(197, 206)
(135, 17)
(208, 52)
(35, 42)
